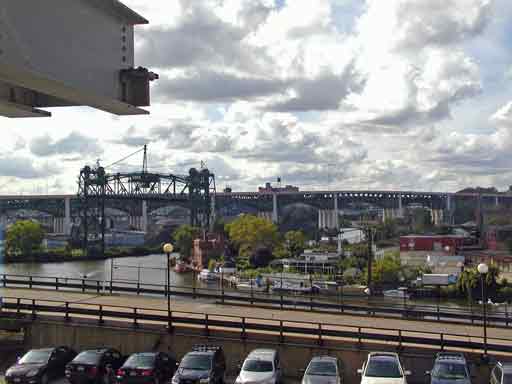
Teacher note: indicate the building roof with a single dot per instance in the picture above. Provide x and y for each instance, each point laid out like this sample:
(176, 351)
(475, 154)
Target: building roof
(120, 10)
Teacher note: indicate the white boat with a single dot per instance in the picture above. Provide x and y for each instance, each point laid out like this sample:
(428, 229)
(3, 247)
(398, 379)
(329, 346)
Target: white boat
(397, 293)
(249, 286)
(206, 275)
(288, 287)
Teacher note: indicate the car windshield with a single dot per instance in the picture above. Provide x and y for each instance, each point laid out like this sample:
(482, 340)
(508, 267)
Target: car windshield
(140, 360)
(258, 366)
(321, 368)
(507, 379)
(88, 357)
(35, 357)
(449, 371)
(196, 362)
(383, 366)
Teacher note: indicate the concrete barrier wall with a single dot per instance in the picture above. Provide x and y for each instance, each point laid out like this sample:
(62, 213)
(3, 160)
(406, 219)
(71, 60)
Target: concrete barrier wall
(294, 356)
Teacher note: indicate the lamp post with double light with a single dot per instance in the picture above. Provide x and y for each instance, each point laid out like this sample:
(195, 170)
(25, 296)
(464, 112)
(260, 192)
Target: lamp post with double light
(482, 270)
(168, 248)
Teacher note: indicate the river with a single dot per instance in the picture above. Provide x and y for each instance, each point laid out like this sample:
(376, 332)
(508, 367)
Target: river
(148, 269)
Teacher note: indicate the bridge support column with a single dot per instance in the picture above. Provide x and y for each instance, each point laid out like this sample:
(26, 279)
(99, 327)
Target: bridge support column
(266, 215)
(67, 216)
(213, 213)
(497, 201)
(336, 213)
(400, 208)
(144, 219)
(58, 225)
(275, 214)
(449, 208)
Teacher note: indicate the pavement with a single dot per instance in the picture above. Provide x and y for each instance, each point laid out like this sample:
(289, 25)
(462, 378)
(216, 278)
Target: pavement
(196, 306)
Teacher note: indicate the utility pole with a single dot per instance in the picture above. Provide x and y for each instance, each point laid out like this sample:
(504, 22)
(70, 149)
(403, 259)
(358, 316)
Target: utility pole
(369, 233)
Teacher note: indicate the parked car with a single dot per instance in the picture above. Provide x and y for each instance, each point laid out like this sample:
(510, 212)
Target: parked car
(205, 364)
(501, 374)
(262, 366)
(39, 366)
(449, 368)
(147, 368)
(383, 367)
(94, 366)
(323, 370)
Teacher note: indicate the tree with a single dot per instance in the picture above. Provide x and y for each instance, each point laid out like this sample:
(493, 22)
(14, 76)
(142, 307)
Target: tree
(261, 257)
(184, 238)
(24, 237)
(295, 242)
(386, 270)
(248, 232)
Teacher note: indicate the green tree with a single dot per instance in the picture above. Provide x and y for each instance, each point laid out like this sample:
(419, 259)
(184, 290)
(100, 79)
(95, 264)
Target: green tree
(248, 232)
(184, 237)
(386, 270)
(24, 237)
(295, 242)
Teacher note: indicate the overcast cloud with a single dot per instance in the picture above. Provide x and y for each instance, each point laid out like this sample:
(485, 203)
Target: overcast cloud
(348, 94)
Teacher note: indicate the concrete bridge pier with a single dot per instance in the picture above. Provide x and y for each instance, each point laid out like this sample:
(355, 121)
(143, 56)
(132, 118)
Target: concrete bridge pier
(327, 219)
(67, 216)
(59, 225)
(437, 216)
(135, 222)
(268, 215)
(275, 214)
(449, 208)
(400, 208)
(144, 218)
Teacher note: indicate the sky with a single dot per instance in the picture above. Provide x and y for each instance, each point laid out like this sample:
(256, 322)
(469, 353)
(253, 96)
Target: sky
(324, 94)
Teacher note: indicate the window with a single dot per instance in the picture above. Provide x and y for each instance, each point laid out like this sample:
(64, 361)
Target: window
(140, 360)
(258, 366)
(34, 357)
(88, 357)
(449, 371)
(321, 368)
(197, 362)
(383, 366)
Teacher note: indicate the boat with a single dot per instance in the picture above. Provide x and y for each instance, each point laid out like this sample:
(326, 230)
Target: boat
(288, 287)
(182, 267)
(206, 275)
(252, 285)
(400, 293)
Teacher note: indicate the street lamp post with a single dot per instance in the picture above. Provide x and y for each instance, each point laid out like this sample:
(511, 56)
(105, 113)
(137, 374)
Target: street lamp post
(482, 270)
(168, 248)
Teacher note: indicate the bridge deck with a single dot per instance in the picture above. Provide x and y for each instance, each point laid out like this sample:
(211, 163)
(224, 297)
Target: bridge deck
(467, 332)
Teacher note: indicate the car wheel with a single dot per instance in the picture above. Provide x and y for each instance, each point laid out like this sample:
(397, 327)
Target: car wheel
(44, 379)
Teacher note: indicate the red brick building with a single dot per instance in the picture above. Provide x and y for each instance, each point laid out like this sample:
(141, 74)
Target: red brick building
(211, 247)
(440, 243)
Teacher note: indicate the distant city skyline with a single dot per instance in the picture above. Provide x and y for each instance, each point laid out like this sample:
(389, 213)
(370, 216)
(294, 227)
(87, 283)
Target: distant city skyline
(335, 94)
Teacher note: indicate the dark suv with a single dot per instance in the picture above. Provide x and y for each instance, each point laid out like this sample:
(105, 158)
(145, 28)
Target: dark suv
(206, 364)
(450, 368)
(40, 366)
(94, 366)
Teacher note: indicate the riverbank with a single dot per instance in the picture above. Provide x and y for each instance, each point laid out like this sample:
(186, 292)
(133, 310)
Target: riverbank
(68, 255)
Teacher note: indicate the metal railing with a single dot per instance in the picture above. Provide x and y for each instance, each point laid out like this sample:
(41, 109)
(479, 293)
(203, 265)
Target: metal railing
(248, 328)
(330, 304)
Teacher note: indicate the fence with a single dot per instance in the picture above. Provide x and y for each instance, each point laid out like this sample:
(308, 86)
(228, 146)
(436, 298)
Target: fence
(248, 328)
(343, 304)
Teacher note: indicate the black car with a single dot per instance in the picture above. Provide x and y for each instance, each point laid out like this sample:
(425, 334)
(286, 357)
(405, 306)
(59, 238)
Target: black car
(147, 368)
(206, 364)
(38, 366)
(94, 366)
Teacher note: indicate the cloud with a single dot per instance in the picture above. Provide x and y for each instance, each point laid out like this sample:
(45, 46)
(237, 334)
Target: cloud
(209, 86)
(74, 143)
(202, 39)
(324, 92)
(25, 168)
(131, 139)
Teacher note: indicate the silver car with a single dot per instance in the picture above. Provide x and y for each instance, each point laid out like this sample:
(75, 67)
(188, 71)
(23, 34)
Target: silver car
(322, 370)
(262, 366)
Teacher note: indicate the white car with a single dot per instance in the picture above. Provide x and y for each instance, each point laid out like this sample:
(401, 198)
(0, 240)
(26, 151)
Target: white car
(262, 366)
(383, 367)
(322, 370)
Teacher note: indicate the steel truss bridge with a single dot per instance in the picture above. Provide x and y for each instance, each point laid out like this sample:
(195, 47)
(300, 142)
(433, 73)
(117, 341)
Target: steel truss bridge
(96, 187)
